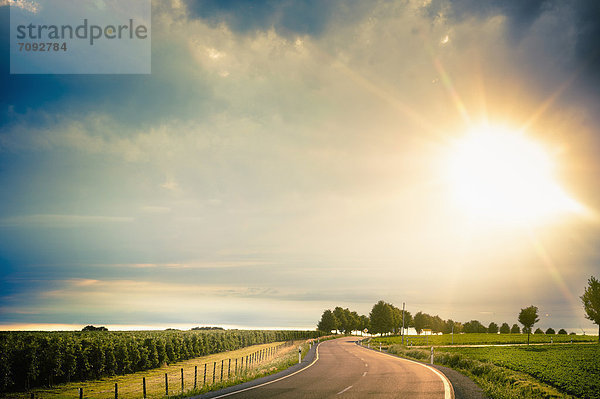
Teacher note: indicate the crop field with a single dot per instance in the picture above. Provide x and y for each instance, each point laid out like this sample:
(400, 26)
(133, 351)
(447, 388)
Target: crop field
(573, 369)
(45, 359)
(222, 369)
(506, 372)
(482, 339)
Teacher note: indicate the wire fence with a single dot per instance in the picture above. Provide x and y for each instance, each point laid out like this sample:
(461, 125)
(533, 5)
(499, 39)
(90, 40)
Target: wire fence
(202, 377)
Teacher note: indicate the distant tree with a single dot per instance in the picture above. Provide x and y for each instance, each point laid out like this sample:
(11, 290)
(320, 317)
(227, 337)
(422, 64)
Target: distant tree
(538, 331)
(550, 331)
(92, 328)
(365, 323)
(437, 324)
(421, 321)
(450, 326)
(562, 331)
(591, 302)
(207, 328)
(474, 326)
(408, 320)
(528, 317)
(354, 321)
(493, 328)
(382, 318)
(572, 333)
(328, 322)
(515, 329)
(505, 328)
(342, 317)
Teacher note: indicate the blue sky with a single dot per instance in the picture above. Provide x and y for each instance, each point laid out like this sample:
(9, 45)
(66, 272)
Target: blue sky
(285, 157)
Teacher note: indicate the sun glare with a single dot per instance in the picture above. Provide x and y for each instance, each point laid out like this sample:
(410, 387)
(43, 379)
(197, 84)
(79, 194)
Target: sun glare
(502, 175)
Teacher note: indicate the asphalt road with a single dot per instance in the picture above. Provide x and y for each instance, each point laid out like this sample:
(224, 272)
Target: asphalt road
(343, 370)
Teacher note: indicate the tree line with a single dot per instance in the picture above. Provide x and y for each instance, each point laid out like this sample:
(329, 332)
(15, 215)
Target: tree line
(30, 359)
(385, 318)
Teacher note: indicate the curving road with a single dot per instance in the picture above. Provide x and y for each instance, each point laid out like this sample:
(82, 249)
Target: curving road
(345, 370)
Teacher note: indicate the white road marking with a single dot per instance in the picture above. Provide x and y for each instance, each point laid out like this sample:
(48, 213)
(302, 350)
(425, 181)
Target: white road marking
(365, 373)
(279, 379)
(343, 390)
(366, 365)
(448, 390)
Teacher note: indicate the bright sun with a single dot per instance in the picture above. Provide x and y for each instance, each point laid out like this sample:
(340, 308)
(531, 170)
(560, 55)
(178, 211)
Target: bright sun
(501, 175)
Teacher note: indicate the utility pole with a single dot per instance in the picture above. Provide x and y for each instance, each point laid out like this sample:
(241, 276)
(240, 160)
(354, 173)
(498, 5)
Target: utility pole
(403, 323)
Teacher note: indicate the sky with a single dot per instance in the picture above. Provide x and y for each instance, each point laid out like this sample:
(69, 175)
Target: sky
(286, 157)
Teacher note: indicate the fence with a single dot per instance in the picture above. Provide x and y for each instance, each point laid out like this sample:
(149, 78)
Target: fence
(197, 378)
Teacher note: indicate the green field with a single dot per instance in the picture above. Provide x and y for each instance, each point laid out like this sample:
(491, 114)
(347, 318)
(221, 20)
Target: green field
(482, 339)
(573, 369)
(507, 372)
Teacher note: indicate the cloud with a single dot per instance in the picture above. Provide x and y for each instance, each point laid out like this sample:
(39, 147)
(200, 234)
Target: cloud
(287, 18)
(50, 220)
(30, 6)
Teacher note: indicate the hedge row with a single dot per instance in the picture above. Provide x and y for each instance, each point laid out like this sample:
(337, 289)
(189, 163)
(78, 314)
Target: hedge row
(32, 359)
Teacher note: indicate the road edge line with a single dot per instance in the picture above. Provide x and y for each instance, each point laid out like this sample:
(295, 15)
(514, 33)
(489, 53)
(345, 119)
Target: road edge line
(448, 388)
(272, 381)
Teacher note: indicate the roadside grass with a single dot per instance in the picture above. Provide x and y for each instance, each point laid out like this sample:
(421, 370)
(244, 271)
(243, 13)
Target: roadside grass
(130, 385)
(482, 339)
(561, 371)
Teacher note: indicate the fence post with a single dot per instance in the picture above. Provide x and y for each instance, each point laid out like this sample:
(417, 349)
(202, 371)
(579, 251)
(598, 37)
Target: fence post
(195, 376)
(182, 380)
(229, 368)
(222, 360)
(236, 365)
(144, 386)
(432, 355)
(204, 375)
(214, 371)
(116, 391)
(80, 393)
(166, 385)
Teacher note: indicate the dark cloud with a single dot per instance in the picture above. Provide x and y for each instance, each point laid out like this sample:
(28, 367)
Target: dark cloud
(138, 100)
(520, 13)
(580, 16)
(288, 17)
(587, 14)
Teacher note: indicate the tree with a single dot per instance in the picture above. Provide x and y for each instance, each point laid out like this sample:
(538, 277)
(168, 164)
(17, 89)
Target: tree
(562, 331)
(505, 328)
(328, 322)
(342, 317)
(528, 317)
(421, 321)
(382, 318)
(538, 331)
(493, 328)
(474, 326)
(591, 302)
(365, 323)
(355, 321)
(515, 329)
(408, 319)
(92, 328)
(550, 331)
(450, 326)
